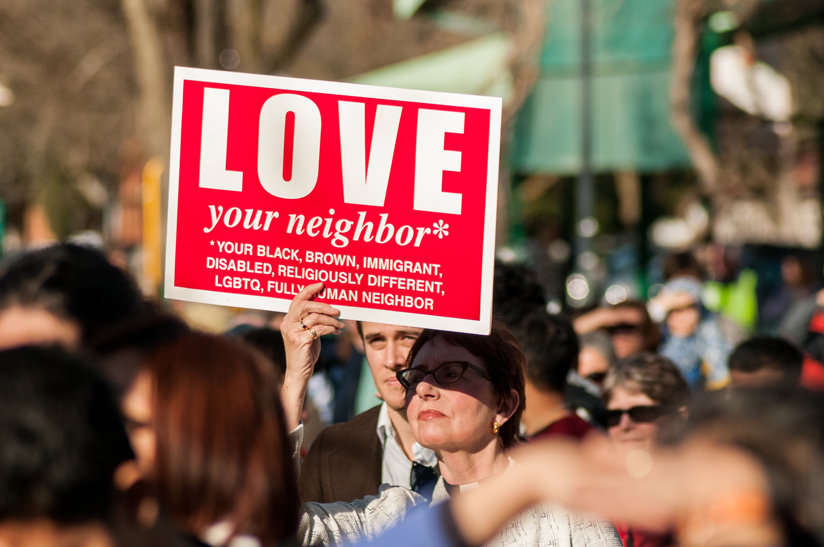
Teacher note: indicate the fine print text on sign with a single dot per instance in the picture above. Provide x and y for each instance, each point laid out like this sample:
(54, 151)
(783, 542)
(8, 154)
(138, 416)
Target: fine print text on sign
(386, 195)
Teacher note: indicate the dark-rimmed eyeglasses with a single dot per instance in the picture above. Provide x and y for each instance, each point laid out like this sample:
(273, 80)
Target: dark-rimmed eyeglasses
(444, 374)
(639, 414)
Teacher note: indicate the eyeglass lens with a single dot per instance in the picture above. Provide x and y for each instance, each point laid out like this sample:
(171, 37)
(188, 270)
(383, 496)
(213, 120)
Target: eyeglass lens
(445, 374)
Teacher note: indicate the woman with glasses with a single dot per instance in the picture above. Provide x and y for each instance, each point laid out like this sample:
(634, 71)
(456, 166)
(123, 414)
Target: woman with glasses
(646, 398)
(465, 391)
(464, 396)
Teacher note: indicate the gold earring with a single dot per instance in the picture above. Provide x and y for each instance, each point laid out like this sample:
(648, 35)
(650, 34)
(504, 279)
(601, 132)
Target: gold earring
(495, 427)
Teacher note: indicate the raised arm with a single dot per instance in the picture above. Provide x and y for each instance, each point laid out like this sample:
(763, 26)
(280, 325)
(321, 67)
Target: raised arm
(603, 317)
(728, 499)
(302, 328)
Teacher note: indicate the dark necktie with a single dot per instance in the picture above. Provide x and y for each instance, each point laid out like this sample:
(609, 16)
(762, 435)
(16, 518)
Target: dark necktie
(422, 479)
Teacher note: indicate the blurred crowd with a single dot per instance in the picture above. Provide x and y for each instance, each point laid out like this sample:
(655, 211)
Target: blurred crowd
(691, 418)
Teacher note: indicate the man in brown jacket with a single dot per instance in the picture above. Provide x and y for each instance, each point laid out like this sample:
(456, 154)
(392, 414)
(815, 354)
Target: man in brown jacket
(351, 460)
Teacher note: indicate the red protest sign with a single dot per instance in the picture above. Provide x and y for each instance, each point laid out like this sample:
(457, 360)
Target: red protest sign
(386, 195)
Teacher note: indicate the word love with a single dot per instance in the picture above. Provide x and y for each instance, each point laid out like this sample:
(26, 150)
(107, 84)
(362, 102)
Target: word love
(289, 131)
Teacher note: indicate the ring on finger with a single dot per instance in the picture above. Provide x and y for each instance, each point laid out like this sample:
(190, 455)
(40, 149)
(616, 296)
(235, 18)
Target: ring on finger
(303, 325)
(314, 334)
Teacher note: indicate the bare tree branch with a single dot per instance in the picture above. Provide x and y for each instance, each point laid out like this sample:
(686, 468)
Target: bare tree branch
(151, 71)
(310, 13)
(244, 18)
(527, 41)
(205, 30)
(688, 16)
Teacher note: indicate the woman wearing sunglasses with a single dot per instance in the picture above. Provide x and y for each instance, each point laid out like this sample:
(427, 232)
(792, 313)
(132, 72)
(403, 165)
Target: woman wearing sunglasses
(646, 398)
(464, 396)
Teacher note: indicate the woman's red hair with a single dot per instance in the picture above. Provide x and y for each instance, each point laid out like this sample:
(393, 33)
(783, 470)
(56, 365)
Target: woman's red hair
(222, 450)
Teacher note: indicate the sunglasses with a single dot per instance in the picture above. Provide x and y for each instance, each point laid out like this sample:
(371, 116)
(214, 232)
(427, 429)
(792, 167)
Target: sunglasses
(624, 328)
(596, 377)
(445, 374)
(639, 414)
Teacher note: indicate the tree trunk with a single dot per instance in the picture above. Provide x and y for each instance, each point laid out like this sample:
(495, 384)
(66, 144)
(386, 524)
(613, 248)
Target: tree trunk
(688, 15)
(205, 38)
(152, 73)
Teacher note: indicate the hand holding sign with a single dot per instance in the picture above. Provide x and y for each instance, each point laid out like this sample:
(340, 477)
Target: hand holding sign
(302, 328)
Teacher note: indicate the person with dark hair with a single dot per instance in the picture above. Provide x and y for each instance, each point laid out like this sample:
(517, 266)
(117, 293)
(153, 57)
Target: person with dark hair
(550, 346)
(765, 361)
(515, 293)
(464, 398)
(780, 430)
(792, 295)
(682, 263)
(517, 300)
(61, 440)
(269, 342)
(628, 324)
(208, 430)
(495, 358)
(595, 357)
(64, 293)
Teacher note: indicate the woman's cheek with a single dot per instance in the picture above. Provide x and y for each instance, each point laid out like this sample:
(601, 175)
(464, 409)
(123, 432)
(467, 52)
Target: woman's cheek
(412, 409)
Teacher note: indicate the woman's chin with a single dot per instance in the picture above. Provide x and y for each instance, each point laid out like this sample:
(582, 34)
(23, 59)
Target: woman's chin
(432, 437)
(629, 445)
(433, 442)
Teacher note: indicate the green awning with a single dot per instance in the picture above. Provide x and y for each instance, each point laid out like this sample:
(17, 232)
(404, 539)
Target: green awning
(631, 129)
(477, 67)
(404, 9)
